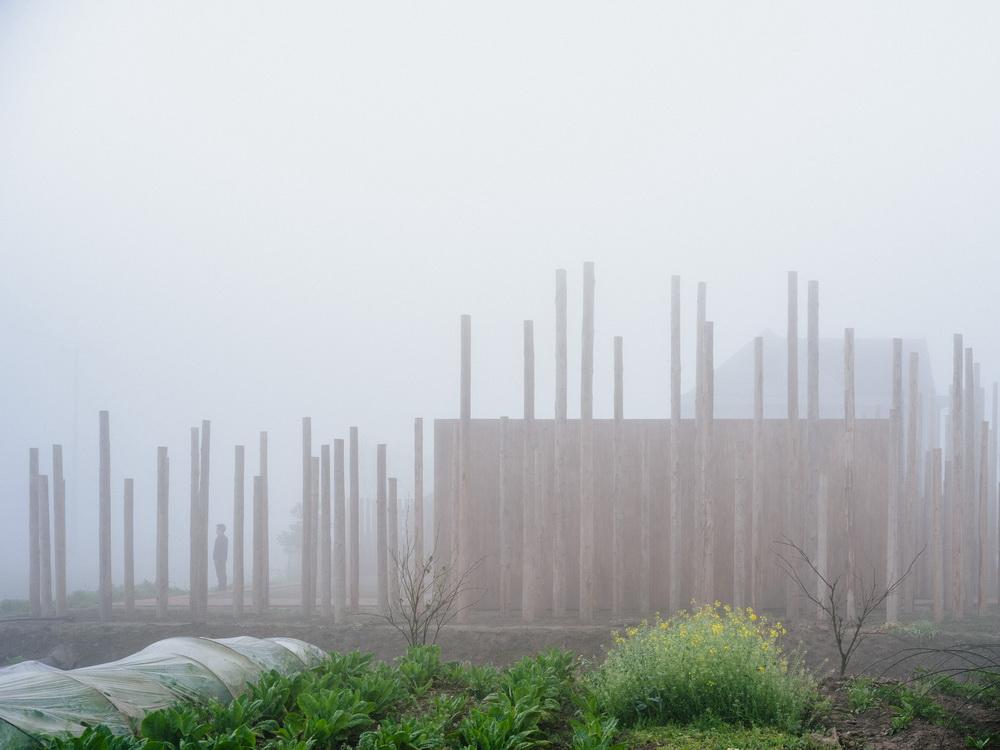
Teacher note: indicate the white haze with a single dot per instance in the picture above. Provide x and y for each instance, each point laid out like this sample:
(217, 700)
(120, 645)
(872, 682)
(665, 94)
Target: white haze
(254, 212)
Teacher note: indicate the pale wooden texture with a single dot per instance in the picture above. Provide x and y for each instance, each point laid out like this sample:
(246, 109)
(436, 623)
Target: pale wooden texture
(849, 455)
(529, 509)
(911, 506)
(811, 510)
(308, 594)
(392, 532)
(34, 556)
(970, 483)
(708, 488)
(314, 540)
(239, 500)
(559, 497)
(44, 546)
(586, 463)
(984, 524)
(506, 522)
(325, 536)
(994, 487)
(793, 491)
(892, 551)
(355, 535)
(162, 532)
(339, 533)
(194, 525)
(645, 515)
(757, 477)
(822, 542)
(59, 529)
(956, 494)
(104, 587)
(740, 530)
(937, 538)
(418, 494)
(259, 604)
(381, 545)
(462, 554)
(617, 484)
(674, 602)
(128, 540)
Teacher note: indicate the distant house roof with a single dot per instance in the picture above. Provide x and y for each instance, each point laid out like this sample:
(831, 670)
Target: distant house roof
(872, 378)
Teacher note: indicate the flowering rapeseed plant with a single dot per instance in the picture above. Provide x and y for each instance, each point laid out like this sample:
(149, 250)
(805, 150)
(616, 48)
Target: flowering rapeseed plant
(714, 663)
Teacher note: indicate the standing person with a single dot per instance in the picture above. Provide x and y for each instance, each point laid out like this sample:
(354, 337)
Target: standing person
(220, 554)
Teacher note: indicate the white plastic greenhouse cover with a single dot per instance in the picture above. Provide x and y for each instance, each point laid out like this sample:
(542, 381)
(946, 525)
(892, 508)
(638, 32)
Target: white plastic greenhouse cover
(36, 699)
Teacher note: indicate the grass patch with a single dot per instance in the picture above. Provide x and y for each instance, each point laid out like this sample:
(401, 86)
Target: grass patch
(716, 664)
(718, 737)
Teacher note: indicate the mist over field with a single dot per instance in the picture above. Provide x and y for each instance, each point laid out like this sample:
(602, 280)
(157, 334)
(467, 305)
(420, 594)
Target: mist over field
(251, 213)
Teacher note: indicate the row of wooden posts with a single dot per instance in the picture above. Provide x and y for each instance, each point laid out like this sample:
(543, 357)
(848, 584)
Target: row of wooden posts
(937, 500)
(937, 505)
(325, 572)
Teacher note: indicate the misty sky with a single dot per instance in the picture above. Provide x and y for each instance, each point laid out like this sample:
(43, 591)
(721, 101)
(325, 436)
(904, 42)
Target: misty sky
(253, 212)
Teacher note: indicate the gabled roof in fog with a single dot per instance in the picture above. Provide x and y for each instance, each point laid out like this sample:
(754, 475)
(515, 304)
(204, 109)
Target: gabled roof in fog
(872, 378)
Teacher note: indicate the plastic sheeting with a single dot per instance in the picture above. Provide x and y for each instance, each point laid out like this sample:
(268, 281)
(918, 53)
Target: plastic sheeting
(36, 699)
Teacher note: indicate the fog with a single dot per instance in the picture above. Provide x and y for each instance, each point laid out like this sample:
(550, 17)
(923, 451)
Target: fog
(251, 213)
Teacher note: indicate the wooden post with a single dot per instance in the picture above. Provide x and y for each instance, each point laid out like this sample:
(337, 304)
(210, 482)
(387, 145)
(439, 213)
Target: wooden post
(265, 526)
(203, 477)
(162, 532)
(418, 494)
(970, 485)
(811, 514)
(34, 554)
(793, 496)
(993, 491)
(739, 528)
(706, 569)
(822, 543)
(700, 469)
(530, 514)
(464, 515)
(559, 561)
(355, 488)
(984, 522)
(339, 533)
(59, 528)
(392, 531)
(937, 538)
(892, 551)
(618, 489)
(194, 526)
(105, 518)
(44, 545)
(380, 531)
(957, 475)
(757, 479)
(239, 496)
(506, 521)
(305, 569)
(674, 602)
(645, 516)
(849, 573)
(258, 542)
(911, 506)
(587, 602)
(128, 537)
(314, 477)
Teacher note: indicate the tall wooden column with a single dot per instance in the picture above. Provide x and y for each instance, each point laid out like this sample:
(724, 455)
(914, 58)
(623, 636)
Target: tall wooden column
(128, 538)
(193, 562)
(44, 545)
(707, 568)
(892, 551)
(811, 516)
(308, 595)
(645, 521)
(162, 532)
(505, 501)
(464, 514)
(937, 538)
(757, 478)
(740, 527)
(203, 502)
(314, 541)
(105, 518)
(849, 511)
(675, 537)
(239, 497)
(793, 484)
(381, 532)
(265, 525)
(956, 499)
(559, 498)
(911, 509)
(355, 489)
(339, 533)
(530, 517)
(59, 528)
(418, 494)
(392, 548)
(984, 523)
(618, 489)
(587, 602)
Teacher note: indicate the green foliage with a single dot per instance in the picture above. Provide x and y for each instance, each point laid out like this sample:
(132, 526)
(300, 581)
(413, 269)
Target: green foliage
(420, 667)
(717, 737)
(714, 664)
(862, 694)
(479, 681)
(594, 732)
(100, 738)
(407, 734)
(327, 717)
(171, 725)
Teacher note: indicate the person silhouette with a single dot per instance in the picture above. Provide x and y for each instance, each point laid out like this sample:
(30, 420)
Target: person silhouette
(220, 554)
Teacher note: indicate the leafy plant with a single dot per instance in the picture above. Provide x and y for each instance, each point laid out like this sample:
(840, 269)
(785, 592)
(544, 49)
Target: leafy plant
(419, 668)
(406, 734)
(101, 738)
